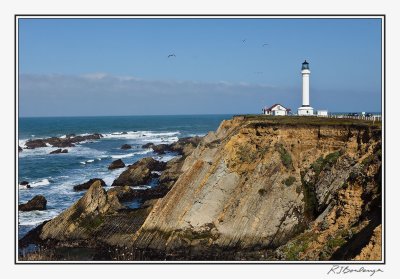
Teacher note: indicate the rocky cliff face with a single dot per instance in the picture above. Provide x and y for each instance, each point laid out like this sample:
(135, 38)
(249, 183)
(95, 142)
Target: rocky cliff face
(287, 190)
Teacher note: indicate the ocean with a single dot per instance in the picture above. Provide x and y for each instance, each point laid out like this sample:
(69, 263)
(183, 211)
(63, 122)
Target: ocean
(54, 175)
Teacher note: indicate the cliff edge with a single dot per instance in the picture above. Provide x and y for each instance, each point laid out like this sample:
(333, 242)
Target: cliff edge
(261, 188)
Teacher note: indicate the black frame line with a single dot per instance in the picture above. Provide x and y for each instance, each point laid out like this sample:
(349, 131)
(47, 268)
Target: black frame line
(382, 17)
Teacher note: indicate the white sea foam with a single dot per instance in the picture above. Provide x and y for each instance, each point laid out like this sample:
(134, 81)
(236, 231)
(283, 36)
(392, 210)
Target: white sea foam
(36, 217)
(42, 182)
(123, 156)
(165, 158)
(120, 156)
(90, 161)
(141, 187)
(83, 163)
(141, 135)
(22, 143)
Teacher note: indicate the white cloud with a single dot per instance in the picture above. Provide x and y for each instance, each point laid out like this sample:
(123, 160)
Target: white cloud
(105, 94)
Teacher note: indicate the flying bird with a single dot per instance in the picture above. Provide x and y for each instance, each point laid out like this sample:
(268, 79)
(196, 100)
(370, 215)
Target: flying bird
(264, 45)
(171, 55)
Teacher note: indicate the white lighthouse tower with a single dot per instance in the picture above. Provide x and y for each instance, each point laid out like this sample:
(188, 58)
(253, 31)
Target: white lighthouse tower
(306, 109)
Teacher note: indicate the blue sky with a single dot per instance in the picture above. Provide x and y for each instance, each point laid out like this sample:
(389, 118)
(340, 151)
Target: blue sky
(73, 67)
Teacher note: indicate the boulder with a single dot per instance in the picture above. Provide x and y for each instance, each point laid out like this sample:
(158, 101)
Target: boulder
(148, 145)
(19, 149)
(38, 202)
(86, 185)
(139, 173)
(184, 146)
(172, 172)
(161, 148)
(58, 151)
(83, 218)
(67, 141)
(116, 164)
(32, 144)
(126, 146)
(126, 193)
(123, 193)
(24, 182)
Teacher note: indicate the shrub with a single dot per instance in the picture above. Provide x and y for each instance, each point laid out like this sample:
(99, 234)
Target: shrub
(285, 156)
(289, 181)
(262, 192)
(246, 154)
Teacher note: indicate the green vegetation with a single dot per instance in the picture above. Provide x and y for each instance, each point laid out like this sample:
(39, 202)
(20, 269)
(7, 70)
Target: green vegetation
(310, 120)
(322, 162)
(293, 250)
(246, 154)
(289, 181)
(285, 156)
(91, 222)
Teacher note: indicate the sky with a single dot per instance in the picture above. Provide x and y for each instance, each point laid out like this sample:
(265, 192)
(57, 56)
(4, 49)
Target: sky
(92, 67)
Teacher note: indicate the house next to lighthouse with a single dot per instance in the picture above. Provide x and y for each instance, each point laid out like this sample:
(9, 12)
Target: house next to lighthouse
(305, 109)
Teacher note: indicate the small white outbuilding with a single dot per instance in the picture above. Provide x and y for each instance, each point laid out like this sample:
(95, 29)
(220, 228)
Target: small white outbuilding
(322, 112)
(276, 109)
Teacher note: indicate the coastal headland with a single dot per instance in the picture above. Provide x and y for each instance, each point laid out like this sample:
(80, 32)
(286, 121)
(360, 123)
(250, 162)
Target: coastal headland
(258, 188)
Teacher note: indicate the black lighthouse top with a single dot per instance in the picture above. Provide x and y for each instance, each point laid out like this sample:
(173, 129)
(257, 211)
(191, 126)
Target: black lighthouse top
(305, 65)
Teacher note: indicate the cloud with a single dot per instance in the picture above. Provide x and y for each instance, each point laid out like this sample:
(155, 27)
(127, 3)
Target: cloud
(104, 94)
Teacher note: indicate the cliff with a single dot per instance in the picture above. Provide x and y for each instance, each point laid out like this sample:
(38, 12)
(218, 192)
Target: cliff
(259, 188)
(278, 189)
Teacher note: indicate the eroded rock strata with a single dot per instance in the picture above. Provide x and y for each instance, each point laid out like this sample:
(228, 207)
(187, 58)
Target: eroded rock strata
(257, 189)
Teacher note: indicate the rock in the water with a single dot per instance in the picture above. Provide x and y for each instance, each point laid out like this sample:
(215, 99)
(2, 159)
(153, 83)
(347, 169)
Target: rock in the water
(116, 164)
(184, 146)
(36, 203)
(58, 151)
(83, 217)
(86, 185)
(24, 182)
(19, 149)
(139, 173)
(148, 145)
(67, 141)
(126, 146)
(160, 148)
(32, 144)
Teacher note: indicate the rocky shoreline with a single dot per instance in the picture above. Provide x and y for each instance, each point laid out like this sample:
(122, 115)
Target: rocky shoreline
(253, 190)
(61, 142)
(108, 205)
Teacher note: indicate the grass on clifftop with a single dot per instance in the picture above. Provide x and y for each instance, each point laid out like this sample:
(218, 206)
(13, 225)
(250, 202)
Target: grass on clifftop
(310, 120)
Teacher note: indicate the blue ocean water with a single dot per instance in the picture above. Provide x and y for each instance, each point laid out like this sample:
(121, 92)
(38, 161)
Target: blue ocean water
(54, 175)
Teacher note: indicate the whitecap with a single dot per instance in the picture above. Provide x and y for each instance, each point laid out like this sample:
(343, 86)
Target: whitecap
(42, 182)
(141, 135)
(120, 156)
(165, 158)
(83, 163)
(90, 161)
(141, 187)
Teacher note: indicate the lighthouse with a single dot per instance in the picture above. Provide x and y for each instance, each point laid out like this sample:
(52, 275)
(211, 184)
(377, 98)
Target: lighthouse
(306, 109)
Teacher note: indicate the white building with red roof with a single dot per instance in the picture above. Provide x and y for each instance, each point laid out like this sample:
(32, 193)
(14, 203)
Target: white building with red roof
(276, 109)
